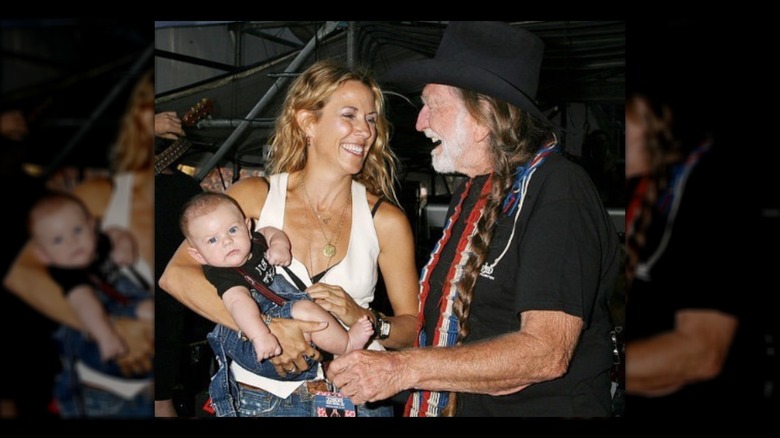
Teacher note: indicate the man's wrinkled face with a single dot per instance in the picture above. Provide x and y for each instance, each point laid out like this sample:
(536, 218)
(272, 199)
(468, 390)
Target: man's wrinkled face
(446, 121)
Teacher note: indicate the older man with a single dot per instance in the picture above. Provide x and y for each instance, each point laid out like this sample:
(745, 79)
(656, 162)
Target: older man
(513, 303)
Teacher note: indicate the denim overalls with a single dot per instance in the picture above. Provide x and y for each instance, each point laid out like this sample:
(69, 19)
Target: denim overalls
(228, 346)
(75, 400)
(228, 399)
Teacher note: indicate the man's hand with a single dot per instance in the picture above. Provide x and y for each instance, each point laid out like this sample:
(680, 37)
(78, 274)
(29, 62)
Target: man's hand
(13, 125)
(168, 125)
(364, 375)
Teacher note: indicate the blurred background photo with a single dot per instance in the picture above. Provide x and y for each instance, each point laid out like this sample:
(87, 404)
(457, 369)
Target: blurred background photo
(76, 100)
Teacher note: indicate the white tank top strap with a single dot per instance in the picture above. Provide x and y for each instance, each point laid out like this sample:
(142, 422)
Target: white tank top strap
(272, 214)
(118, 211)
(118, 215)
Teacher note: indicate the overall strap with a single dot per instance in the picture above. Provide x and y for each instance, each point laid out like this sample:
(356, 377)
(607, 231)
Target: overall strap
(260, 287)
(298, 282)
(108, 289)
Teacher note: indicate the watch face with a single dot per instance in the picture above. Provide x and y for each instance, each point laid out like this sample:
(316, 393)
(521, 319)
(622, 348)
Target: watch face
(384, 329)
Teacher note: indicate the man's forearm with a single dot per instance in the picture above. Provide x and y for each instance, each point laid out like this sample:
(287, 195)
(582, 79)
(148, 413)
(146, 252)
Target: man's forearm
(658, 365)
(694, 351)
(499, 366)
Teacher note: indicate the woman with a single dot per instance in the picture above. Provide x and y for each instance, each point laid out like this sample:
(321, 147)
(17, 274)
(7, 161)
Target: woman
(329, 157)
(125, 201)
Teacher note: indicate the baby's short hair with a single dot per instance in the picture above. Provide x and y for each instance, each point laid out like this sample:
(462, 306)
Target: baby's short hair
(204, 203)
(50, 202)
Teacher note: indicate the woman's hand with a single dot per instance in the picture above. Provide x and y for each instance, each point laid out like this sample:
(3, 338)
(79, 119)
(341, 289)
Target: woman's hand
(139, 339)
(290, 333)
(335, 300)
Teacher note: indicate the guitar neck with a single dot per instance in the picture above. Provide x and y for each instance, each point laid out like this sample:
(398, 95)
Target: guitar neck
(179, 147)
(169, 155)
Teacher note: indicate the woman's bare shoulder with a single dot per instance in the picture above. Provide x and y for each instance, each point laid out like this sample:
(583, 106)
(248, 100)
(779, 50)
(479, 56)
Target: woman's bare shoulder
(95, 193)
(250, 193)
(387, 215)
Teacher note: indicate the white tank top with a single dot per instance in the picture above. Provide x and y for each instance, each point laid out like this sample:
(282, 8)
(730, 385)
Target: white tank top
(118, 214)
(357, 273)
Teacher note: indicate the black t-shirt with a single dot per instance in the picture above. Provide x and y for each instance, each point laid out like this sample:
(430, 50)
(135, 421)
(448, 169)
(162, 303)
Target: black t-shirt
(706, 265)
(564, 255)
(257, 266)
(102, 267)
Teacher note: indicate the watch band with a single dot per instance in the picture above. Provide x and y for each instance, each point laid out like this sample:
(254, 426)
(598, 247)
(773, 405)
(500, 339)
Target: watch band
(381, 326)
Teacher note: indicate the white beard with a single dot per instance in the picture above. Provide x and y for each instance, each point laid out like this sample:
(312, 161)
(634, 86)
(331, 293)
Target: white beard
(449, 155)
(442, 162)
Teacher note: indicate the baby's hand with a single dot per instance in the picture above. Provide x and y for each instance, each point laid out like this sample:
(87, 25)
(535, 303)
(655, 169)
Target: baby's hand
(278, 256)
(123, 247)
(111, 346)
(266, 346)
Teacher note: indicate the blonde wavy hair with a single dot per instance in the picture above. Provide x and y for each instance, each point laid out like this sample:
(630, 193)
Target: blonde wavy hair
(311, 91)
(134, 146)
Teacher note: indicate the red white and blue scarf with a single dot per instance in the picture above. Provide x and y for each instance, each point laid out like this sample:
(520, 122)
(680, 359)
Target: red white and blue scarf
(667, 206)
(430, 403)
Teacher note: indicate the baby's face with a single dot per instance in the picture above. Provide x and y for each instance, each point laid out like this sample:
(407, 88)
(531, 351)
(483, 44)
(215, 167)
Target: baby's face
(222, 237)
(67, 237)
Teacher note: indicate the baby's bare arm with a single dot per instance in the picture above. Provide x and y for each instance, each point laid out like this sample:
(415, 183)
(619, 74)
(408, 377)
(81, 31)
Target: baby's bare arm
(93, 316)
(246, 313)
(279, 252)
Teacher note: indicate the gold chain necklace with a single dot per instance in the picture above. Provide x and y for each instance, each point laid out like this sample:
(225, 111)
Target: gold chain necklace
(329, 249)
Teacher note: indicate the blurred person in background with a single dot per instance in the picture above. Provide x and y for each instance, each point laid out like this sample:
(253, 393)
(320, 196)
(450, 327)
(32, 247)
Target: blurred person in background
(693, 329)
(125, 200)
(180, 333)
(21, 398)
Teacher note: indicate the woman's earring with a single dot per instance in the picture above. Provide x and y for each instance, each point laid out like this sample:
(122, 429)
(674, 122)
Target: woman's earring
(308, 140)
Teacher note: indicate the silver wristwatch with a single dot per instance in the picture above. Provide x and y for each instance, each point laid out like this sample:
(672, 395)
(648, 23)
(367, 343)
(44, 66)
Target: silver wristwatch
(381, 326)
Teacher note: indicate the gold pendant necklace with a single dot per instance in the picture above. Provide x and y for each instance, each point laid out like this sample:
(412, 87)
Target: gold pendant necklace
(329, 249)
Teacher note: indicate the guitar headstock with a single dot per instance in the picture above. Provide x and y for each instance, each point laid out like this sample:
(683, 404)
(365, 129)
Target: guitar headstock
(197, 112)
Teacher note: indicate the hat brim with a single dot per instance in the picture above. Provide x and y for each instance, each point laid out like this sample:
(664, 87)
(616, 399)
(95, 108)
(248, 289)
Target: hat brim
(466, 76)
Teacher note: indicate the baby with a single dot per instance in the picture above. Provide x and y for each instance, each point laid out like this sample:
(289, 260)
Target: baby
(221, 239)
(86, 264)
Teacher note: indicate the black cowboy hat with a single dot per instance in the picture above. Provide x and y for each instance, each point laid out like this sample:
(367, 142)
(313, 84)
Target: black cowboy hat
(489, 57)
